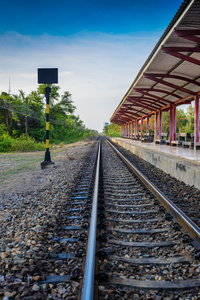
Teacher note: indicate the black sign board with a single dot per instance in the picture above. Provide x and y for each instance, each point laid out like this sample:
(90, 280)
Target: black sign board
(48, 75)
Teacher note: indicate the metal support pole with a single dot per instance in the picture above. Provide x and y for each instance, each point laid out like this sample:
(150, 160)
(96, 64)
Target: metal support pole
(141, 134)
(136, 128)
(131, 129)
(196, 120)
(160, 123)
(26, 120)
(156, 125)
(174, 122)
(171, 124)
(47, 159)
(147, 123)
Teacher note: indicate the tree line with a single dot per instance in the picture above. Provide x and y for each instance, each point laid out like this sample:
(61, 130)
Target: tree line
(184, 123)
(23, 117)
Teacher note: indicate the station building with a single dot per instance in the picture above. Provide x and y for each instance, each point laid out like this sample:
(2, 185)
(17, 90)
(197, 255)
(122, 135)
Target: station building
(169, 78)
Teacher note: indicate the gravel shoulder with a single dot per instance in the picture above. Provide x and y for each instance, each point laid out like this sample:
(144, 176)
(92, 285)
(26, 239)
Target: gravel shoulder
(21, 172)
(31, 206)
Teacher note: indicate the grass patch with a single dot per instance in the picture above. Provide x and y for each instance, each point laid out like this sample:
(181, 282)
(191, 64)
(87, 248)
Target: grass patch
(17, 163)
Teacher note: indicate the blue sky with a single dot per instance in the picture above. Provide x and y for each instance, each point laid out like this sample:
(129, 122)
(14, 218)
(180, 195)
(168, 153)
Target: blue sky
(98, 47)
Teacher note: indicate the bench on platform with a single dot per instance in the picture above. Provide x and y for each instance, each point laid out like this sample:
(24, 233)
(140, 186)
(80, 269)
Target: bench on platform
(137, 137)
(164, 138)
(167, 142)
(147, 138)
(188, 144)
(182, 138)
(197, 146)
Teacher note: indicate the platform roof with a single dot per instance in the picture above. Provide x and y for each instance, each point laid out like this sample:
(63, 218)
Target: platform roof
(171, 74)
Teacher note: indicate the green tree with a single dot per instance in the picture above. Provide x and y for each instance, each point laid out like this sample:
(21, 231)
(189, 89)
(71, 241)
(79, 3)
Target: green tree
(190, 119)
(112, 130)
(5, 110)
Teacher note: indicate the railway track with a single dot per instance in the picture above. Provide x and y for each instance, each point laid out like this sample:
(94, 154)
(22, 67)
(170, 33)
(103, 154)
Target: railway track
(139, 251)
(144, 253)
(118, 238)
(184, 196)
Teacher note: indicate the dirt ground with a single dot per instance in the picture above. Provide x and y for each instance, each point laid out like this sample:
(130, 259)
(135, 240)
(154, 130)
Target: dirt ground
(21, 172)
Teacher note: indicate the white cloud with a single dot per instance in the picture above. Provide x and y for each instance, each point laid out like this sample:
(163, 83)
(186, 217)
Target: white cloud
(96, 68)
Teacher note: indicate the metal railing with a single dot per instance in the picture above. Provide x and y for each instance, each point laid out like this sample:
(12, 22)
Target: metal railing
(88, 280)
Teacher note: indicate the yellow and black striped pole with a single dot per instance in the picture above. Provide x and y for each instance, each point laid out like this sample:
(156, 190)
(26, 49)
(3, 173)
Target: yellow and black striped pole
(47, 159)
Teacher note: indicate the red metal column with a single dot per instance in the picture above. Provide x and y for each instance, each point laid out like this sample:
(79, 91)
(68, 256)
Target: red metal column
(131, 129)
(141, 134)
(156, 125)
(148, 124)
(196, 120)
(171, 124)
(160, 123)
(136, 127)
(174, 122)
(126, 130)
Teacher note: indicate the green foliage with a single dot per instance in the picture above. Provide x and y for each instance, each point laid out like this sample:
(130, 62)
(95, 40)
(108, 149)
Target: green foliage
(112, 130)
(9, 144)
(21, 114)
(184, 121)
(21, 144)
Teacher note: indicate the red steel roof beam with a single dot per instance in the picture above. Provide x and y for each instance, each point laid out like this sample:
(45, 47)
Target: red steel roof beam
(146, 99)
(175, 51)
(169, 84)
(125, 114)
(130, 109)
(143, 100)
(188, 80)
(123, 110)
(138, 103)
(162, 91)
(189, 34)
(142, 91)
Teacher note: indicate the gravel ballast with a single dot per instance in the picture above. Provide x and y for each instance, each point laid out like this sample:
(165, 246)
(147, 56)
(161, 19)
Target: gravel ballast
(29, 221)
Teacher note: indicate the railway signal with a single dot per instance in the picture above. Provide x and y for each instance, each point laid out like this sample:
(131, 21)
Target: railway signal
(47, 76)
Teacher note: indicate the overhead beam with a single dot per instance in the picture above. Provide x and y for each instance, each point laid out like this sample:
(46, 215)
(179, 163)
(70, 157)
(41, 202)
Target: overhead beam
(188, 80)
(142, 91)
(189, 34)
(175, 51)
(144, 100)
(129, 107)
(147, 106)
(123, 111)
(161, 91)
(174, 86)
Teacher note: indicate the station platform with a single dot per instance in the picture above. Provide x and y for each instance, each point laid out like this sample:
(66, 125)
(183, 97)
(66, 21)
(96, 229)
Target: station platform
(181, 163)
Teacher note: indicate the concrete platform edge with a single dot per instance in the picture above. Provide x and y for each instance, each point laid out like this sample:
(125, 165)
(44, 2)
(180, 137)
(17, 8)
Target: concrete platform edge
(178, 167)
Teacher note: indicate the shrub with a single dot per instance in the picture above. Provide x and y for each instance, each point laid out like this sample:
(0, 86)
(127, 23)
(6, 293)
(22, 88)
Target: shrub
(8, 144)
(21, 144)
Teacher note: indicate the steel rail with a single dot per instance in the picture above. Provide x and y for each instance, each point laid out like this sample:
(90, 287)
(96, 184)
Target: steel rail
(191, 228)
(88, 280)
